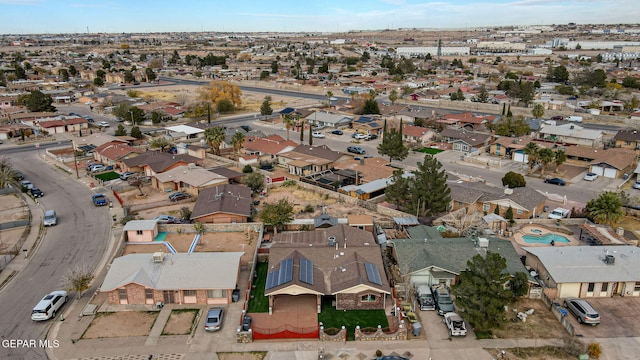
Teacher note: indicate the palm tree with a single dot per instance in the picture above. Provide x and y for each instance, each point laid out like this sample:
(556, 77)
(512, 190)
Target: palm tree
(214, 136)
(560, 158)
(329, 96)
(546, 157)
(288, 123)
(531, 150)
(606, 209)
(538, 111)
(237, 140)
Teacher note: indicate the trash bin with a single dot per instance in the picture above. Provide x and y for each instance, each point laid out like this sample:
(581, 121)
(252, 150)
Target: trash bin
(417, 327)
(235, 295)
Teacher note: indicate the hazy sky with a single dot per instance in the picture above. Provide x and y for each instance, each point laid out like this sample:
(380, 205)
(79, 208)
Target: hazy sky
(52, 16)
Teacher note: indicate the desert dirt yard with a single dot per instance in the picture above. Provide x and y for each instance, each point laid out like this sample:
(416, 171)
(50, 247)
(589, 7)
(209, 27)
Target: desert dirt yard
(12, 208)
(541, 324)
(253, 355)
(180, 322)
(120, 324)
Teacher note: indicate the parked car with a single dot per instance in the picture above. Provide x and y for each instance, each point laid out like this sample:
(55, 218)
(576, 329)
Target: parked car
(317, 134)
(179, 195)
(119, 120)
(359, 136)
(214, 319)
(36, 193)
(99, 200)
(583, 311)
(555, 181)
(166, 219)
(444, 303)
(18, 175)
(246, 323)
(590, 176)
(103, 124)
(636, 185)
(425, 297)
(246, 128)
(356, 150)
(371, 137)
(126, 175)
(455, 324)
(49, 305)
(26, 185)
(557, 117)
(337, 132)
(98, 168)
(559, 213)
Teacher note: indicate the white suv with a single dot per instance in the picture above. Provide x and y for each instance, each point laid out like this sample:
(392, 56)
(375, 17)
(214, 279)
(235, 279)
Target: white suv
(49, 306)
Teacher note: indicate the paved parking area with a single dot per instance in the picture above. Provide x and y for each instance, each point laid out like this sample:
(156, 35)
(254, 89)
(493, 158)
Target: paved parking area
(620, 317)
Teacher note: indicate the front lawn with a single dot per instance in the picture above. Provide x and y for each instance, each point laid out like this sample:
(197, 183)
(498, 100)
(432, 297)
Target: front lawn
(431, 151)
(258, 302)
(111, 175)
(332, 318)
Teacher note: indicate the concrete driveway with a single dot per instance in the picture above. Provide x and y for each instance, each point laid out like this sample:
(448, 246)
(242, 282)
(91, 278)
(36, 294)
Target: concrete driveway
(620, 317)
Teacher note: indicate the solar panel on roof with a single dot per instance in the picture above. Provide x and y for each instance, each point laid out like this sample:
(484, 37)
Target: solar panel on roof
(283, 275)
(372, 273)
(271, 279)
(306, 271)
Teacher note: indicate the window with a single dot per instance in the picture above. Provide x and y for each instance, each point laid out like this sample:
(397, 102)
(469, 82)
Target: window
(605, 287)
(148, 294)
(590, 287)
(519, 212)
(189, 292)
(218, 293)
(138, 232)
(368, 298)
(486, 207)
(460, 203)
(122, 294)
(637, 286)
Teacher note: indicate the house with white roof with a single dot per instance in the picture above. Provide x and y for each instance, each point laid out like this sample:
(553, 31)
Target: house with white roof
(586, 271)
(184, 132)
(321, 118)
(182, 278)
(571, 134)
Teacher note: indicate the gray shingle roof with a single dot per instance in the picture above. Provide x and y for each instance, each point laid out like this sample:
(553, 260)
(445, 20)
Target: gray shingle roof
(470, 192)
(232, 199)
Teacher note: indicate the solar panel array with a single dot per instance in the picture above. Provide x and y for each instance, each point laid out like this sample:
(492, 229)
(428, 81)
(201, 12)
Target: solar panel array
(306, 271)
(281, 276)
(372, 273)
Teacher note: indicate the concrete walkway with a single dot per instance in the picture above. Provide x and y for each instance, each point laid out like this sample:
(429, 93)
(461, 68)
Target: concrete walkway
(158, 326)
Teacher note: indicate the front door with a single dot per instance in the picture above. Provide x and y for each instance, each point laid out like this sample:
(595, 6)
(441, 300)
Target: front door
(169, 297)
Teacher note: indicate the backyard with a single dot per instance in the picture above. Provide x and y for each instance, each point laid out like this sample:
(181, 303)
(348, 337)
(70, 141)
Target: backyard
(258, 302)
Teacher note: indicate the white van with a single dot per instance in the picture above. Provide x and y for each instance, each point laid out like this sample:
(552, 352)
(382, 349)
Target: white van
(50, 218)
(574, 118)
(49, 306)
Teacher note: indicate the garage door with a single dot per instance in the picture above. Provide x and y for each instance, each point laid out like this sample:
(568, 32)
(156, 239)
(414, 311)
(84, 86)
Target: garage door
(598, 170)
(610, 173)
(569, 290)
(520, 156)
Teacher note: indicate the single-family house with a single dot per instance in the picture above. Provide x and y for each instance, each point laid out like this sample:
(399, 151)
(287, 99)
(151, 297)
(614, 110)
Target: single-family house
(181, 278)
(366, 124)
(466, 141)
(63, 124)
(430, 259)
(507, 146)
(587, 271)
(416, 134)
(468, 120)
(267, 148)
(154, 162)
(326, 119)
(525, 202)
(614, 162)
(306, 159)
(184, 132)
(188, 178)
(341, 263)
(141, 230)
(227, 203)
(628, 139)
(113, 152)
(571, 134)
(366, 169)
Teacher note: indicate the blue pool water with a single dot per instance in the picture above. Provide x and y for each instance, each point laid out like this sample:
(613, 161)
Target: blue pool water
(546, 239)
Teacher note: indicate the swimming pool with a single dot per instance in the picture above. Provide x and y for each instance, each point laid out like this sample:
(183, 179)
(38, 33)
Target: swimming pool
(546, 239)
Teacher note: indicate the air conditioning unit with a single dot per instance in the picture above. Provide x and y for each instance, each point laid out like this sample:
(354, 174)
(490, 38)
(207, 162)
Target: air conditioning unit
(609, 259)
(158, 257)
(483, 242)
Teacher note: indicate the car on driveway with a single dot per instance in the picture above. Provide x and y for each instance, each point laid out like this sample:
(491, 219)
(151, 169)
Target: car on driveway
(317, 134)
(99, 200)
(590, 176)
(98, 168)
(359, 136)
(102, 124)
(555, 181)
(214, 319)
(583, 311)
(126, 175)
(337, 132)
(371, 137)
(636, 185)
(166, 219)
(356, 150)
(455, 324)
(179, 195)
(557, 117)
(246, 323)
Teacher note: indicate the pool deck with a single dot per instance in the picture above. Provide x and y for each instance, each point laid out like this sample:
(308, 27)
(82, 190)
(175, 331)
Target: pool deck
(540, 230)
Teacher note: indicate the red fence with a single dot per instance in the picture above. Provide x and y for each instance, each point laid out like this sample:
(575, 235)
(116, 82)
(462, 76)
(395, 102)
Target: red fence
(118, 197)
(286, 332)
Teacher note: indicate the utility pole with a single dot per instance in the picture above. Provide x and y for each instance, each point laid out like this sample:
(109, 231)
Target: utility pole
(75, 158)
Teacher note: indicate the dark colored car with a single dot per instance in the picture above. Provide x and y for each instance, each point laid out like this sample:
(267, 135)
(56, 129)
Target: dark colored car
(337, 132)
(36, 193)
(356, 150)
(246, 323)
(246, 128)
(99, 200)
(555, 181)
(18, 175)
(179, 195)
(557, 117)
(371, 137)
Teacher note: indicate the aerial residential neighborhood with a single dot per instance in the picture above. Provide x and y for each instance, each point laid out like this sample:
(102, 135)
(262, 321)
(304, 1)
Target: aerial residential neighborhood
(375, 194)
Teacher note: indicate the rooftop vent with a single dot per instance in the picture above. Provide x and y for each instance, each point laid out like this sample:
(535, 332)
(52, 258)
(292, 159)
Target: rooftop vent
(483, 243)
(508, 191)
(157, 257)
(331, 241)
(609, 259)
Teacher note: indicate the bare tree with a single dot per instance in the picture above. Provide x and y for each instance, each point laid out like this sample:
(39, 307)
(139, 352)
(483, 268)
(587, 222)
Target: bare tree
(464, 220)
(78, 279)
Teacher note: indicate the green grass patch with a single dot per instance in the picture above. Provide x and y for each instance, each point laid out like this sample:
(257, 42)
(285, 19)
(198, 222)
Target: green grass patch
(332, 318)
(431, 151)
(111, 175)
(258, 303)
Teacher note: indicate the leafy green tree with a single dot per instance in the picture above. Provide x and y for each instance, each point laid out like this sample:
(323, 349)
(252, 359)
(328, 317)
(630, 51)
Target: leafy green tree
(429, 191)
(175, 58)
(559, 158)
(265, 108)
(393, 96)
(481, 292)
(565, 90)
(122, 111)
(159, 142)
(225, 106)
(512, 126)
(483, 94)
(120, 131)
(136, 133)
(128, 77)
(37, 101)
(274, 67)
(214, 136)
(136, 115)
(527, 92)
(558, 74)
(277, 214)
(255, 181)
(247, 169)
(150, 74)
(538, 111)
(288, 121)
(519, 285)
(513, 180)
(18, 71)
(264, 75)
(72, 70)
(606, 209)
(370, 106)
(64, 73)
(592, 78)
(396, 192)
(546, 157)
(98, 81)
(509, 214)
(392, 145)
(531, 150)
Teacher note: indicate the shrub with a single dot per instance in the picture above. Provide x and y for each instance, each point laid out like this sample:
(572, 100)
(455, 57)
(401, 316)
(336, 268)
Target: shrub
(247, 169)
(308, 209)
(595, 350)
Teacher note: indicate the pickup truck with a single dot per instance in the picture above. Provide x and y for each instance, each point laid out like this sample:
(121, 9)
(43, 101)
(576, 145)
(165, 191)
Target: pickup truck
(559, 213)
(455, 324)
(99, 200)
